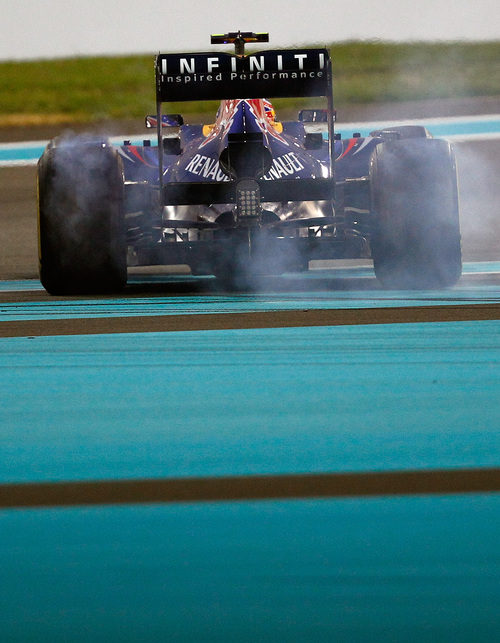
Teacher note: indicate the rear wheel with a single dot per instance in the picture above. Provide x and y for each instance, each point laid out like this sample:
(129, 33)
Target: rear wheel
(82, 247)
(416, 241)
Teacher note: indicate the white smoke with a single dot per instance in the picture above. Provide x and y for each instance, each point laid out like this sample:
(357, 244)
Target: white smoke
(478, 166)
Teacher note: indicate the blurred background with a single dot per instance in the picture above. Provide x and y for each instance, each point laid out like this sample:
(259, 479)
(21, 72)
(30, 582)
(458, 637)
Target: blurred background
(54, 28)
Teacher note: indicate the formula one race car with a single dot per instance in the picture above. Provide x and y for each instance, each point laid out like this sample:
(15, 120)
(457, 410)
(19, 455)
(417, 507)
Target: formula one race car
(248, 196)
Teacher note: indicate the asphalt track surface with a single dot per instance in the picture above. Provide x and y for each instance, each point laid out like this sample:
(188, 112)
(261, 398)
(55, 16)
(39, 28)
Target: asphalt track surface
(265, 524)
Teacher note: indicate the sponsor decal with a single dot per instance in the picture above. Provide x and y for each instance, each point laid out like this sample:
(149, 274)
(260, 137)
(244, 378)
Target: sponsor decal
(266, 66)
(275, 73)
(209, 78)
(201, 63)
(206, 167)
(283, 166)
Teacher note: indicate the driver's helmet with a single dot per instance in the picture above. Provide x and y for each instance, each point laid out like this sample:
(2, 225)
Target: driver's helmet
(269, 110)
(226, 106)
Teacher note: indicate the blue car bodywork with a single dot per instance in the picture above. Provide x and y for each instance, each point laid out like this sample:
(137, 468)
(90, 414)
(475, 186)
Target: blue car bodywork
(294, 168)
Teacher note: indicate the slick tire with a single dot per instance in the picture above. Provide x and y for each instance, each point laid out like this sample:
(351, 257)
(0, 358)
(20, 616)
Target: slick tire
(82, 247)
(414, 197)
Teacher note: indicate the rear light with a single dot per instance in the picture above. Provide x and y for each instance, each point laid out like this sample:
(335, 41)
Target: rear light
(248, 198)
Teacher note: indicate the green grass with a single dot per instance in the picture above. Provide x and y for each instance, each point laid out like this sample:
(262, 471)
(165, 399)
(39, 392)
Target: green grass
(374, 72)
(89, 89)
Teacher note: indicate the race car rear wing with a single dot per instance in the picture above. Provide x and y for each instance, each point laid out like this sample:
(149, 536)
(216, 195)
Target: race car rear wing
(279, 73)
(274, 74)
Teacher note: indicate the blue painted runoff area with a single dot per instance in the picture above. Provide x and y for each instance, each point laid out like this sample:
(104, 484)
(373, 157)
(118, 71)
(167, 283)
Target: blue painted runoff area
(419, 569)
(455, 127)
(239, 303)
(74, 308)
(20, 285)
(12, 154)
(209, 403)
(252, 401)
